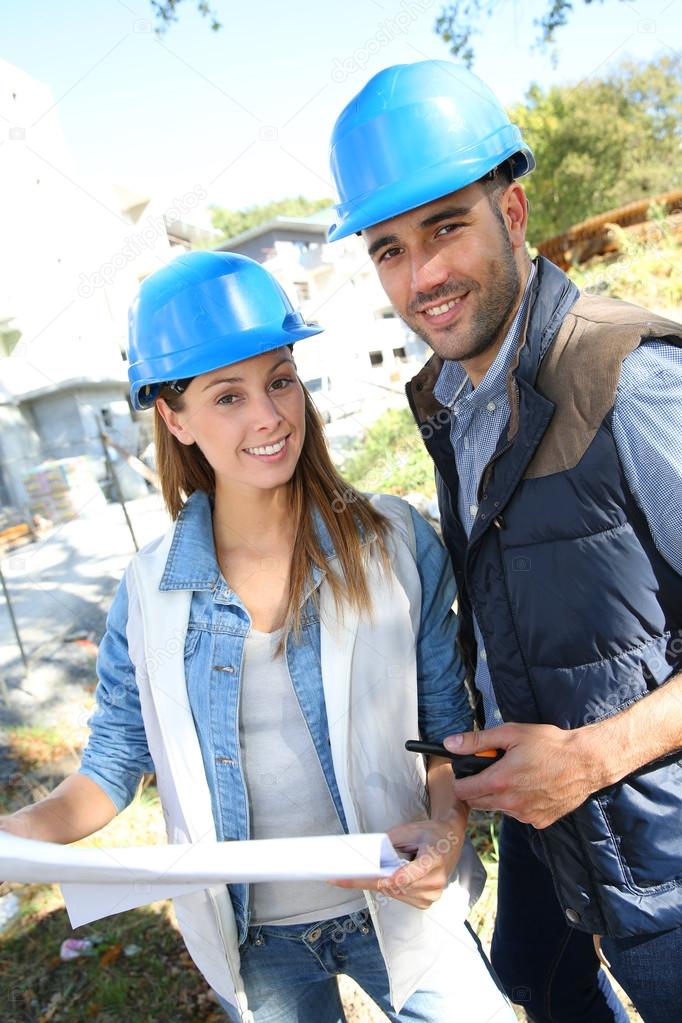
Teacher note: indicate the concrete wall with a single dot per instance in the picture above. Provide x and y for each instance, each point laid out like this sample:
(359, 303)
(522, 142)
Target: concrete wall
(19, 451)
(67, 421)
(61, 424)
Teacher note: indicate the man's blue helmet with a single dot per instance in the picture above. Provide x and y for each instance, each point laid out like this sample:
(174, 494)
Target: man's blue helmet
(203, 311)
(415, 133)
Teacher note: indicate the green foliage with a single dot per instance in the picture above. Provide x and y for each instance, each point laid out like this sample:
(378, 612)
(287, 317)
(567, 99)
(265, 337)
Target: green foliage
(459, 22)
(646, 273)
(233, 222)
(602, 143)
(391, 458)
(484, 832)
(166, 14)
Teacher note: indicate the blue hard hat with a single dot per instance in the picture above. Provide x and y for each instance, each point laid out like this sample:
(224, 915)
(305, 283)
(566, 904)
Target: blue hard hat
(203, 311)
(415, 133)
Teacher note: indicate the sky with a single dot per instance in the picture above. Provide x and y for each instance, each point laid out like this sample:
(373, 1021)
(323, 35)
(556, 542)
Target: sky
(244, 114)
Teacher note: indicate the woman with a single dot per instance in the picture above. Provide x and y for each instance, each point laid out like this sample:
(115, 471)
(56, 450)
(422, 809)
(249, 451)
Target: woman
(268, 658)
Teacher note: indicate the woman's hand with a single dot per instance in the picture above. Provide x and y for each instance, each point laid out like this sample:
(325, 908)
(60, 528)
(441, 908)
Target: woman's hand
(436, 845)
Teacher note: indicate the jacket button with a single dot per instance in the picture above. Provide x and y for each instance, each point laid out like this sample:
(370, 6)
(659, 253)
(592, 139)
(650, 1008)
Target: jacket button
(573, 915)
(498, 521)
(227, 668)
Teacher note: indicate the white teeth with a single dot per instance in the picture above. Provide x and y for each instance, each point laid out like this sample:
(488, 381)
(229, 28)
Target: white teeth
(438, 310)
(269, 449)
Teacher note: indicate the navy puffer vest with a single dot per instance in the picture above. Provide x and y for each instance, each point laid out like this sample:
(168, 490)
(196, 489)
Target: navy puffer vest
(581, 616)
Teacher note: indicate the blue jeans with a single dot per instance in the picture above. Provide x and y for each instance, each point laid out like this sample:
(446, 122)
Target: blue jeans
(551, 969)
(290, 972)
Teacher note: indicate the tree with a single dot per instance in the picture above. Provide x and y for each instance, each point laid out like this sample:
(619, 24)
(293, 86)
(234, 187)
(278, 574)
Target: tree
(602, 143)
(458, 23)
(233, 222)
(166, 13)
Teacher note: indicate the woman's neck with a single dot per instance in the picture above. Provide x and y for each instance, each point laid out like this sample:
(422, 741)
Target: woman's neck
(257, 519)
(254, 540)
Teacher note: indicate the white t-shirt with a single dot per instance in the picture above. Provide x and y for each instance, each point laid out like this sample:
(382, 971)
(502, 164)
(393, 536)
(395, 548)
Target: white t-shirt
(287, 791)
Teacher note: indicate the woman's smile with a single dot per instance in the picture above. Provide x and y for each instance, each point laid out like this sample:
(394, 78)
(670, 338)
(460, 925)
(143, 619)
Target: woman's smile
(275, 451)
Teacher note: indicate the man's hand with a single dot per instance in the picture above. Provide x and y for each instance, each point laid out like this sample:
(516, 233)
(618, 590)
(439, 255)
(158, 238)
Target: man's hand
(420, 883)
(546, 772)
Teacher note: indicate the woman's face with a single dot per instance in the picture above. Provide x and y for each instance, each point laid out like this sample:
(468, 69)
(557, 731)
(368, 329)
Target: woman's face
(248, 419)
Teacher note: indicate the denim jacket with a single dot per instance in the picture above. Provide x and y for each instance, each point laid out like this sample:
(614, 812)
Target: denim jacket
(117, 753)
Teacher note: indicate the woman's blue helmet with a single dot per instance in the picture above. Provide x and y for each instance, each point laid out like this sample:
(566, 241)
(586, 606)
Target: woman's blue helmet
(203, 311)
(415, 133)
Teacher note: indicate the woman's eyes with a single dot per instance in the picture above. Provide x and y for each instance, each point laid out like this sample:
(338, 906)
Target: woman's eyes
(281, 382)
(277, 385)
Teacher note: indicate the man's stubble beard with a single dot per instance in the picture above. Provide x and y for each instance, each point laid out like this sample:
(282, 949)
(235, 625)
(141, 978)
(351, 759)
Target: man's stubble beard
(490, 320)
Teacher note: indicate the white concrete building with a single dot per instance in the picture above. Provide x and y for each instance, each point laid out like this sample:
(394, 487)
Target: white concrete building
(72, 255)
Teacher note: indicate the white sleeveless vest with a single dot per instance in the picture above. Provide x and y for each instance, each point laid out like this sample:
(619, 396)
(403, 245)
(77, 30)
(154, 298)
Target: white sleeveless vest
(370, 685)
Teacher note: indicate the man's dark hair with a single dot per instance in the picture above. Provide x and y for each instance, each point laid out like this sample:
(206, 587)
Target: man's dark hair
(495, 182)
(498, 178)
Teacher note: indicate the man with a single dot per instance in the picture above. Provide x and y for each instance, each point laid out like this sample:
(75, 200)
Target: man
(553, 419)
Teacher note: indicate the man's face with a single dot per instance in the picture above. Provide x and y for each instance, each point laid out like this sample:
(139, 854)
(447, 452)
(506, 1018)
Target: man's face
(452, 268)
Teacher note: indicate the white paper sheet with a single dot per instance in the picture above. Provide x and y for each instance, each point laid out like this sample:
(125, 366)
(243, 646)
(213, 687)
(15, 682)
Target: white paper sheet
(97, 882)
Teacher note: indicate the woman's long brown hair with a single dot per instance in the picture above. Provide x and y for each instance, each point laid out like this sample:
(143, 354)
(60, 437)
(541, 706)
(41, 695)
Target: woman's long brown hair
(349, 517)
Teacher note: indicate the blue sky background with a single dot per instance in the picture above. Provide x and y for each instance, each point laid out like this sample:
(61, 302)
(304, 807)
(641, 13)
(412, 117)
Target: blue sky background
(246, 112)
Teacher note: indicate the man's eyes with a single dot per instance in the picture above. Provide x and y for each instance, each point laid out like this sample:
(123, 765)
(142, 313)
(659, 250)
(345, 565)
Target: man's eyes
(389, 254)
(395, 250)
(447, 229)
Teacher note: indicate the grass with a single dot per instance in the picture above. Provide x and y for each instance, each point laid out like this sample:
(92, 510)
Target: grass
(37, 746)
(158, 982)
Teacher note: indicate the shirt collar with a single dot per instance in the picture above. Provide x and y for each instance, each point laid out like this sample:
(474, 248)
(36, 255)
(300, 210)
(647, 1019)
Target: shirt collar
(453, 385)
(192, 563)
